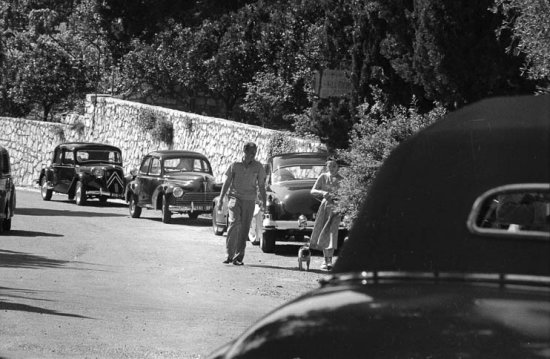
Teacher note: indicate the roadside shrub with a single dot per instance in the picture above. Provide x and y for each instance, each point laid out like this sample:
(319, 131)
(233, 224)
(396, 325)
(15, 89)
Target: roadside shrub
(163, 131)
(59, 133)
(147, 119)
(377, 133)
(78, 127)
(280, 143)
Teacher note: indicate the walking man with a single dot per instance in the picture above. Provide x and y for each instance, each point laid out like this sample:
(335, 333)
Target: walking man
(242, 181)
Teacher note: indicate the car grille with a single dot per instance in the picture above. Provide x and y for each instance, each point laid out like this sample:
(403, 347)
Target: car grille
(197, 198)
(114, 182)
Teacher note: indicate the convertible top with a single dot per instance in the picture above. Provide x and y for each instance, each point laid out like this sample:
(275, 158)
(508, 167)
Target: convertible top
(414, 218)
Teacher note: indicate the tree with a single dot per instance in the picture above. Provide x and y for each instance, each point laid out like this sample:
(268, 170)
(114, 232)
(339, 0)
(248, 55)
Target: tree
(46, 76)
(528, 21)
(373, 138)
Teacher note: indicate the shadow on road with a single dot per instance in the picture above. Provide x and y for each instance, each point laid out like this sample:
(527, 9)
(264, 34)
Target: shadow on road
(183, 220)
(32, 309)
(18, 233)
(26, 260)
(294, 269)
(97, 204)
(62, 212)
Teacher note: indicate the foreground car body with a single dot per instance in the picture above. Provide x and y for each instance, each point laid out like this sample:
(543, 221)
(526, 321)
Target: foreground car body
(83, 170)
(7, 191)
(174, 182)
(432, 269)
(290, 208)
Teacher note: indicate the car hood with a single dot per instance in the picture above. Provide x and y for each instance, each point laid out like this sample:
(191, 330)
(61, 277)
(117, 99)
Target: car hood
(191, 180)
(402, 320)
(105, 166)
(295, 197)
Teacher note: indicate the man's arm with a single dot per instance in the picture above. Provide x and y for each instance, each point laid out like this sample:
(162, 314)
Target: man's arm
(225, 187)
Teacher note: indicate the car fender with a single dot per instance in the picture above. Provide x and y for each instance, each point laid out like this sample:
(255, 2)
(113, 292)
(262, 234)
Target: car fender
(156, 197)
(44, 172)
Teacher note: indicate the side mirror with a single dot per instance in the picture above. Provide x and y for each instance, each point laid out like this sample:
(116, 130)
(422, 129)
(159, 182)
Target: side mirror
(134, 172)
(519, 210)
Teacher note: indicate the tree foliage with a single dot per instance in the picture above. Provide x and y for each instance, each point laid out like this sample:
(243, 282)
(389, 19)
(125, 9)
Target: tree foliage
(380, 129)
(528, 21)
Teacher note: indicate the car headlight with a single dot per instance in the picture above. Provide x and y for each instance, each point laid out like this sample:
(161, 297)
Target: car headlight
(177, 191)
(302, 221)
(98, 172)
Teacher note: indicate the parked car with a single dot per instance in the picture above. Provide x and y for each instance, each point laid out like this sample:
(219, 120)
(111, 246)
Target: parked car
(174, 182)
(422, 275)
(83, 170)
(7, 191)
(290, 208)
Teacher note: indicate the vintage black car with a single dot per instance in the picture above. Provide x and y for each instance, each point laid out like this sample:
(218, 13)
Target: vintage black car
(7, 191)
(174, 182)
(290, 208)
(83, 170)
(430, 270)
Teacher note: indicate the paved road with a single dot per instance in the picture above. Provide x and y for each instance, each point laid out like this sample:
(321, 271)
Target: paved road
(91, 282)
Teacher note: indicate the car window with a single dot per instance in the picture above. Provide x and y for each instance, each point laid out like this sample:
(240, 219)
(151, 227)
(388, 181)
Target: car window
(186, 164)
(68, 157)
(155, 167)
(297, 172)
(58, 156)
(145, 166)
(99, 155)
(512, 209)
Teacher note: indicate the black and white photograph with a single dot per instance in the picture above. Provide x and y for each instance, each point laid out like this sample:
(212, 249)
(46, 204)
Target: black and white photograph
(278, 179)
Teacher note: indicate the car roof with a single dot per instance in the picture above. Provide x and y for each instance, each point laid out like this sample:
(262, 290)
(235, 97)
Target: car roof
(414, 218)
(295, 158)
(87, 145)
(176, 153)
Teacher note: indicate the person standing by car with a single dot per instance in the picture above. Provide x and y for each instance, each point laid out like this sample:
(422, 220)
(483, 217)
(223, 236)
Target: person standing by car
(325, 231)
(243, 180)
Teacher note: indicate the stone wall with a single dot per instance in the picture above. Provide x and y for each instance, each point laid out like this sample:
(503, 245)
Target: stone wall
(114, 121)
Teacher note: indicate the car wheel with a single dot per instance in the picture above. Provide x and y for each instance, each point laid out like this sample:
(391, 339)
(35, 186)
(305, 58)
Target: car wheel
(6, 226)
(267, 241)
(44, 191)
(166, 214)
(80, 194)
(193, 215)
(218, 230)
(103, 199)
(341, 239)
(135, 210)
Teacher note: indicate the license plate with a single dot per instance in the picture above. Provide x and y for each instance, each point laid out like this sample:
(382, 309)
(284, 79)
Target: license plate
(202, 208)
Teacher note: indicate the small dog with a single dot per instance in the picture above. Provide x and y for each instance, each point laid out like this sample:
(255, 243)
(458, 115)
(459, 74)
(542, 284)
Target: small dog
(304, 256)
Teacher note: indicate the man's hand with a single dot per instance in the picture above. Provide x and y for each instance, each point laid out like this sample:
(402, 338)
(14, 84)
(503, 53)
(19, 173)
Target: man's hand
(220, 204)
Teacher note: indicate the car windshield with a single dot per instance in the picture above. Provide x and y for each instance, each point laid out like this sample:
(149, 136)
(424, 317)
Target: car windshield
(186, 164)
(109, 156)
(296, 172)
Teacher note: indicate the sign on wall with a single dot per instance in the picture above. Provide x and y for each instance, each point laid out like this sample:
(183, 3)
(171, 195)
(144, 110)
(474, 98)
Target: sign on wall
(332, 83)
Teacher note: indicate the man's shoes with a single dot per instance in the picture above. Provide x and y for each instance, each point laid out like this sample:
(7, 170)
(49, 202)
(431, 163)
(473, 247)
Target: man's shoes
(227, 261)
(324, 266)
(237, 262)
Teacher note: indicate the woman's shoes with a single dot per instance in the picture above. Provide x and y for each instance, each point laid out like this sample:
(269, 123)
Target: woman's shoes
(327, 264)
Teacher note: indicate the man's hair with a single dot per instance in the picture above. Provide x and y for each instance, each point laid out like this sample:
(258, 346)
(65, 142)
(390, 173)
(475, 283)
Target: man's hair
(249, 145)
